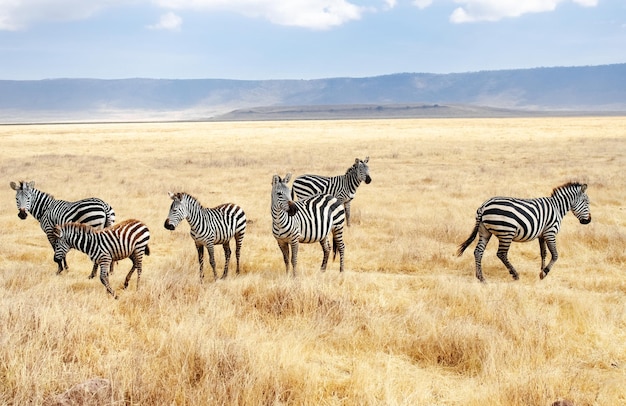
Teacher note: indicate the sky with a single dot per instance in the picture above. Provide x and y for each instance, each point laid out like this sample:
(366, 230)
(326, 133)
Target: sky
(302, 39)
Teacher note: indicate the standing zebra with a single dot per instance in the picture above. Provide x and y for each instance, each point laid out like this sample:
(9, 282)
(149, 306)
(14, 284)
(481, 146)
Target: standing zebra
(128, 239)
(209, 226)
(51, 212)
(306, 221)
(523, 220)
(343, 187)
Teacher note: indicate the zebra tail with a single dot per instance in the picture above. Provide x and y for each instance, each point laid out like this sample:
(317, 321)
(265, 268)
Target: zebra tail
(110, 217)
(471, 238)
(147, 250)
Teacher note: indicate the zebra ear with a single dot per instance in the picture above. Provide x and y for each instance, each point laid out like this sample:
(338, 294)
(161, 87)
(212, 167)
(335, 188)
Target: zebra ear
(14, 186)
(367, 158)
(583, 187)
(171, 195)
(275, 179)
(287, 178)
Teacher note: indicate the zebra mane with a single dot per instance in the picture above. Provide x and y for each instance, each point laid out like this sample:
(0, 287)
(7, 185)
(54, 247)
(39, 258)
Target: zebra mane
(190, 198)
(24, 183)
(83, 228)
(567, 186)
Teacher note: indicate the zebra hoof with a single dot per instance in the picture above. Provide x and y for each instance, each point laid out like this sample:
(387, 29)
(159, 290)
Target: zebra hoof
(542, 275)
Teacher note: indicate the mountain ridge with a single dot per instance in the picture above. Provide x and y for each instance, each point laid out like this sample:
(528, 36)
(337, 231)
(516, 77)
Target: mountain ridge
(563, 90)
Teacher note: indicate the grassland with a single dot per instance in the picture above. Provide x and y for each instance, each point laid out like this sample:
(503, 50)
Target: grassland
(406, 324)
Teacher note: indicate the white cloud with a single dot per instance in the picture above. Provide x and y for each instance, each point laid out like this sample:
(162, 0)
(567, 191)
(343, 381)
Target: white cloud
(19, 14)
(168, 21)
(314, 14)
(494, 10)
(421, 4)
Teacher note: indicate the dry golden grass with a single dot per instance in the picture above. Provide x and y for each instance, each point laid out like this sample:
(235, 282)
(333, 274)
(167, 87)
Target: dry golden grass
(406, 324)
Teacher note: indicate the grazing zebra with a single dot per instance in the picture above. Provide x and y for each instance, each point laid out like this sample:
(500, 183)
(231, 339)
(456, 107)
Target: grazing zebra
(209, 226)
(343, 187)
(51, 212)
(306, 221)
(523, 220)
(128, 239)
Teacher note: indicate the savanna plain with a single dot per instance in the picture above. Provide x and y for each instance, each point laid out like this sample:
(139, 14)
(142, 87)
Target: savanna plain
(407, 323)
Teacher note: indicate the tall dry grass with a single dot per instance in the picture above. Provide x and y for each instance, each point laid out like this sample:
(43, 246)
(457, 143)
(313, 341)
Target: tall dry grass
(407, 323)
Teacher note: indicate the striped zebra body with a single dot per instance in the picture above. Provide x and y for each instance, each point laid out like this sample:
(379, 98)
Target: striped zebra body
(343, 187)
(308, 220)
(51, 212)
(521, 220)
(128, 239)
(209, 227)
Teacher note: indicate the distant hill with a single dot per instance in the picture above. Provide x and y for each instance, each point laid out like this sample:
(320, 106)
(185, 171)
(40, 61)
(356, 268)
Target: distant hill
(561, 90)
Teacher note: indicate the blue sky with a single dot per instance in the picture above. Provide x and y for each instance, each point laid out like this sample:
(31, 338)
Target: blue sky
(302, 39)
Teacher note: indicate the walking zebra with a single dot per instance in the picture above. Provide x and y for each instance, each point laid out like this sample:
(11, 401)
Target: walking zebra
(523, 220)
(209, 226)
(306, 221)
(128, 239)
(343, 187)
(51, 212)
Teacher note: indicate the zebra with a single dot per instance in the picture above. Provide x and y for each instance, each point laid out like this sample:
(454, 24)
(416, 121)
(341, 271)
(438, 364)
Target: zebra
(128, 239)
(50, 211)
(343, 187)
(523, 220)
(309, 220)
(209, 226)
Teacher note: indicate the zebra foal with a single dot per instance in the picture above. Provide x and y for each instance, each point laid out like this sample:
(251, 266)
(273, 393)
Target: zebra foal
(128, 239)
(51, 212)
(523, 220)
(308, 220)
(343, 187)
(209, 226)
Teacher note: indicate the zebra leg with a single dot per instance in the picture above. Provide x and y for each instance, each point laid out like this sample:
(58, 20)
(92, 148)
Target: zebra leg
(346, 206)
(226, 258)
(104, 277)
(503, 250)
(284, 248)
(200, 249)
(238, 243)
(211, 251)
(483, 239)
(542, 251)
(93, 271)
(338, 245)
(294, 257)
(133, 258)
(326, 248)
(551, 242)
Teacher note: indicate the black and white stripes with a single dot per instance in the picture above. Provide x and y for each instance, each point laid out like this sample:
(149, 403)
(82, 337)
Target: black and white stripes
(209, 226)
(51, 212)
(523, 220)
(343, 187)
(128, 239)
(308, 220)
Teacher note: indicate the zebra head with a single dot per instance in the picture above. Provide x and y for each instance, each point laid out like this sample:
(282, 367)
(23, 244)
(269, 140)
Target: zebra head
(178, 211)
(281, 195)
(61, 246)
(23, 197)
(580, 205)
(362, 170)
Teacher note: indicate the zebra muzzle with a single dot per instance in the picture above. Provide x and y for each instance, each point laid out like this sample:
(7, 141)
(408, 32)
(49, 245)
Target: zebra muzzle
(585, 221)
(168, 225)
(22, 214)
(368, 180)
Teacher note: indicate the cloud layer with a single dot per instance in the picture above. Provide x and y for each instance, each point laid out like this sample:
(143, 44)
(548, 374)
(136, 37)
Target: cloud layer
(310, 14)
